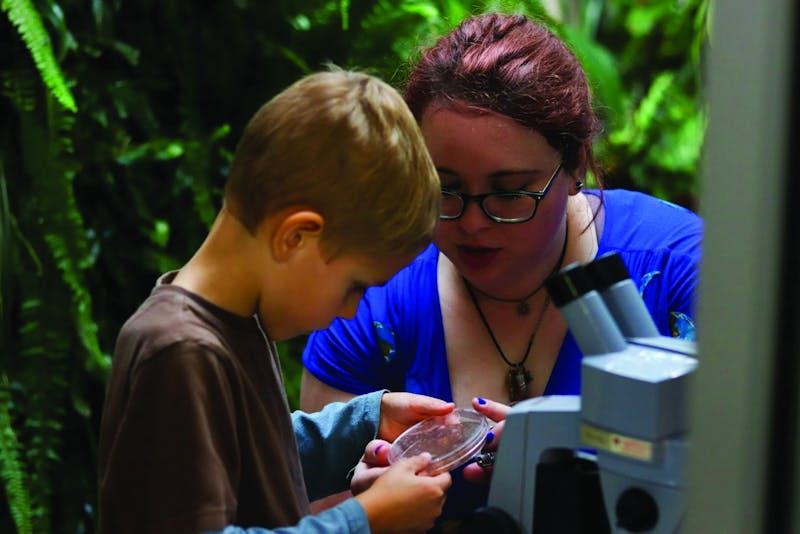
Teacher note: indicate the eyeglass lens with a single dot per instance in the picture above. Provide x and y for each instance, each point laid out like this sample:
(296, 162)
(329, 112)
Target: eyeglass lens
(500, 205)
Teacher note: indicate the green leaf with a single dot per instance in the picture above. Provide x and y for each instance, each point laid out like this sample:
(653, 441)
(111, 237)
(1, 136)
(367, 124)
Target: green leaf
(643, 18)
(655, 96)
(679, 150)
(159, 235)
(11, 466)
(426, 10)
(6, 252)
(300, 22)
(344, 9)
(603, 73)
(26, 19)
(157, 149)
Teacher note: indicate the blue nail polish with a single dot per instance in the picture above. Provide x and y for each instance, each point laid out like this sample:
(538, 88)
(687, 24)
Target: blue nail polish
(481, 401)
(489, 436)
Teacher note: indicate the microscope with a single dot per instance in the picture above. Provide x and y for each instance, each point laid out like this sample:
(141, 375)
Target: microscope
(613, 458)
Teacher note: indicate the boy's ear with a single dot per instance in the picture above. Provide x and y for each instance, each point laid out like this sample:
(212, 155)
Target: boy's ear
(294, 230)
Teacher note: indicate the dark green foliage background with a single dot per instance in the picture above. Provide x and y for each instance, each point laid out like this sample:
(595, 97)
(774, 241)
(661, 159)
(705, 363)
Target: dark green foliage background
(100, 197)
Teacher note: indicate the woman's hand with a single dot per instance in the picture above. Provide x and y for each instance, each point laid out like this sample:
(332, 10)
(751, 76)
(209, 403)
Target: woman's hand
(494, 411)
(399, 411)
(373, 464)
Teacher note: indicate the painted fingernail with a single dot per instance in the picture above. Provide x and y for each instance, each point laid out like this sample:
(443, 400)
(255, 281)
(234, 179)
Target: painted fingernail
(489, 436)
(481, 400)
(378, 449)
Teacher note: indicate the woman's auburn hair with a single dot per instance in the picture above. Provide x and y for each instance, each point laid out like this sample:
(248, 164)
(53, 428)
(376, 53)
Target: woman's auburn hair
(511, 65)
(344, 144)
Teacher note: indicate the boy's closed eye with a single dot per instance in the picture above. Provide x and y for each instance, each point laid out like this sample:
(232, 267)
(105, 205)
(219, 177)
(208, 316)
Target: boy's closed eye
(358, 288)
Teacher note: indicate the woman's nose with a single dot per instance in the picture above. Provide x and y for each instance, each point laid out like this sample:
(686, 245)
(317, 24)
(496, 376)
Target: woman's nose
(473, 218)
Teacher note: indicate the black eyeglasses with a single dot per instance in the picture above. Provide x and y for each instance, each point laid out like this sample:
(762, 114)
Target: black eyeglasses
(503, 207)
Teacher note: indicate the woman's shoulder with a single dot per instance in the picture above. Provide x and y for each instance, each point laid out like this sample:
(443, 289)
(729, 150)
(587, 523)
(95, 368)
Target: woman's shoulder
(635, 220)
(627, 203)
(421, 270)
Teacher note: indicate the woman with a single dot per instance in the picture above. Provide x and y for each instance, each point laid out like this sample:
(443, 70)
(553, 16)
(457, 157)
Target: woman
(506, 112)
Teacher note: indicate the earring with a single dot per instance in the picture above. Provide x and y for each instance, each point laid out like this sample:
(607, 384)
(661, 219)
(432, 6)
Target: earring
(578, 185)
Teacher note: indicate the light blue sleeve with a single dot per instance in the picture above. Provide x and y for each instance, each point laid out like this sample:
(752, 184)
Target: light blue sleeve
(347, 517)
(332, 441)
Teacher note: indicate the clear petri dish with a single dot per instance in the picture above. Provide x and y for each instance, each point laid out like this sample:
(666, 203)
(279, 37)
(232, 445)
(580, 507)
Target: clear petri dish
(450, 439)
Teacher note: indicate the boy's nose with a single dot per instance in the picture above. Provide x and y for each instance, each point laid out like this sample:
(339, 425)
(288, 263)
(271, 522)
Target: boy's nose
(349, 310)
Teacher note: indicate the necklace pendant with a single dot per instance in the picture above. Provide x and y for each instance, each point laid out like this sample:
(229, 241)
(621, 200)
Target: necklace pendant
(518, 379)
(523, 307)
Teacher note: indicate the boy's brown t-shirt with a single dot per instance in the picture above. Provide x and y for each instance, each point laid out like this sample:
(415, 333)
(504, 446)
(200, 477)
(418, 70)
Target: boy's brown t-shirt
(196, 431)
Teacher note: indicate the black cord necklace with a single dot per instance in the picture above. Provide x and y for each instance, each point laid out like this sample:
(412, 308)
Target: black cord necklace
(518, 375)
(523, 308)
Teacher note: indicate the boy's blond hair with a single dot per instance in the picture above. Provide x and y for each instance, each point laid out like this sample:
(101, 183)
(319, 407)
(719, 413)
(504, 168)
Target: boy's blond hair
(345, 145)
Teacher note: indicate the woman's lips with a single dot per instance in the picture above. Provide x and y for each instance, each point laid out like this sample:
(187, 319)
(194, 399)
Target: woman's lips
(476, 257)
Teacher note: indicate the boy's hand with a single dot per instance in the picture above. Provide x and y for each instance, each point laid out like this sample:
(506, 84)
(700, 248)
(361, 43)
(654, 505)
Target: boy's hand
(373, 464)
(403, 501)
(399, 411)
(494, 411)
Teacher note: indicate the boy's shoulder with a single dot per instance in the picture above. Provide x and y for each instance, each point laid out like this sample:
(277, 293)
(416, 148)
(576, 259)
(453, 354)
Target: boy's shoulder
(169, 317)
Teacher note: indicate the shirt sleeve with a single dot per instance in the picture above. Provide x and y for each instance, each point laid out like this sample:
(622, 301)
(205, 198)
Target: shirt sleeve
(682, 246)
(661, 244)
(684, 266)
(347, 517)
(332, 441)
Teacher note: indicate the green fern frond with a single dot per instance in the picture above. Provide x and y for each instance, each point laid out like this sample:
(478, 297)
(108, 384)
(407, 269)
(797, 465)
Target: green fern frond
(11, 468)
(28, 22)
(43, 362)
(20, 87)
(5, 253)
(60, 224)
(344, 10)
(97, 362)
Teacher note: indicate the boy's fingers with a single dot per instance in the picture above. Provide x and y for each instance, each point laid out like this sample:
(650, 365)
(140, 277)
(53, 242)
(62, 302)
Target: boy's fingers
(418, 463)
(444, 480)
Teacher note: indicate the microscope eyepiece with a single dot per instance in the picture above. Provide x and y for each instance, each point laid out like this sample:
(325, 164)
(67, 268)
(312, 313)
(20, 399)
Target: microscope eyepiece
(569, 284)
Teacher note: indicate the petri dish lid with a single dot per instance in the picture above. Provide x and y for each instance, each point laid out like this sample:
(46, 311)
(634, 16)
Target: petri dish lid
(451, 439)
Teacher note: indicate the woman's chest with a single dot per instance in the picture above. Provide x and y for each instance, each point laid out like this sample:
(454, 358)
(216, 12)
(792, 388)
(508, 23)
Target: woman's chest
(502, 356)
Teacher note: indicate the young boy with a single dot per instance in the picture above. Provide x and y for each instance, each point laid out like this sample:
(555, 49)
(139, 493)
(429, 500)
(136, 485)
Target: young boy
(331, 191)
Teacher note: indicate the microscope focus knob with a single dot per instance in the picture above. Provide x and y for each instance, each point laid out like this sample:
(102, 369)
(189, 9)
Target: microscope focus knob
(636, 510)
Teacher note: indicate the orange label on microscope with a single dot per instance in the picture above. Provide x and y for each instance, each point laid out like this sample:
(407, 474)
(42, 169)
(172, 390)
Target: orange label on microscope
(617, 443)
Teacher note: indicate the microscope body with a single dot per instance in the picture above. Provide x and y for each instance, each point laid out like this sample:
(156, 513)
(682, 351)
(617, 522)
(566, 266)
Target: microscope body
(630, 423)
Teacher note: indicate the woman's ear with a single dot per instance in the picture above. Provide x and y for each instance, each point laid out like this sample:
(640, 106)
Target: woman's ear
(294, 230)
(578, 175)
